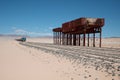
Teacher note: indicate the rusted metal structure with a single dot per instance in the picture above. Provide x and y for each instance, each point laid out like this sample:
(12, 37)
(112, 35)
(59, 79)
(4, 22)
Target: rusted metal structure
(57, 35)
(70, 33)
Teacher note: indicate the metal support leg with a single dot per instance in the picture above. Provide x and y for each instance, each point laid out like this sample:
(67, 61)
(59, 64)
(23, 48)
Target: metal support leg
(84, 39)
(70, 39)
(88, 39)
(74, 39)
(93, 39)
(79, 39)
(100, 37)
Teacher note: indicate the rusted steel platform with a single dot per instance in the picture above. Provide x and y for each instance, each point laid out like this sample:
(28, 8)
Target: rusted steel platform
(70, 32)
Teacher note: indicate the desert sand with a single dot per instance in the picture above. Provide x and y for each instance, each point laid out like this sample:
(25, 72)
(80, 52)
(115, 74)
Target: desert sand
(39, 59)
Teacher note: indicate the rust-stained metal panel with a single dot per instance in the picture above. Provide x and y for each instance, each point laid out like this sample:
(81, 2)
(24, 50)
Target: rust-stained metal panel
(57, 30)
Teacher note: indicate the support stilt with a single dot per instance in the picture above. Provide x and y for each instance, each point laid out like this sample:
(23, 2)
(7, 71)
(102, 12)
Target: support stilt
(88, 39)
(79, 39)
(84, 39)
(93, 39)
(74, 39)
(100, 37)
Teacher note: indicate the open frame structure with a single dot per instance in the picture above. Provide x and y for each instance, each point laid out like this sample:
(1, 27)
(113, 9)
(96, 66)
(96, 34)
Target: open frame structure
(70, 33)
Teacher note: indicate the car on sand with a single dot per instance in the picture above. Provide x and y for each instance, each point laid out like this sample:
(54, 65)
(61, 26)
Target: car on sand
(23, 39)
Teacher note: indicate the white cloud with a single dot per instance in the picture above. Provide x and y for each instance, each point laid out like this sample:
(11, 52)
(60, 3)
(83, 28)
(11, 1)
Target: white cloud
(20, 31)
(24, 32)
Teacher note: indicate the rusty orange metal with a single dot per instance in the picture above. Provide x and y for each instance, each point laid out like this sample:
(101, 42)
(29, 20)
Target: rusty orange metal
(71, 29)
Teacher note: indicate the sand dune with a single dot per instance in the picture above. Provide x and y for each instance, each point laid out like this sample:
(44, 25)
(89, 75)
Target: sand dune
(38, 59)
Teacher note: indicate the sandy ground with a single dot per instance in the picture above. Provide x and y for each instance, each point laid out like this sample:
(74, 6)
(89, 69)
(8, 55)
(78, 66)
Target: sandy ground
(106, 42)
(18, 62)
(111, 42)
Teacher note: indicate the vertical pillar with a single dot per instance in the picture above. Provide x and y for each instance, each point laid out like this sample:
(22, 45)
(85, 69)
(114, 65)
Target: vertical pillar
(65, 39)
(70, 39)
(88, 39)
(79, 39)
(100, 37)
(74, 39)
(84, 39)
(94, 39)
(60, 38)
(84, 36)
(56, 38)
(53, 37)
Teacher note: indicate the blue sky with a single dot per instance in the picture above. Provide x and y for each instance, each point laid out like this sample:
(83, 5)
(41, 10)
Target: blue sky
(39, 17)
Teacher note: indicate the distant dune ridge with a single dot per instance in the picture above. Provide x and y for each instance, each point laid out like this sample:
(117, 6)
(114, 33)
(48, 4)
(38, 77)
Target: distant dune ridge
(39, 59)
